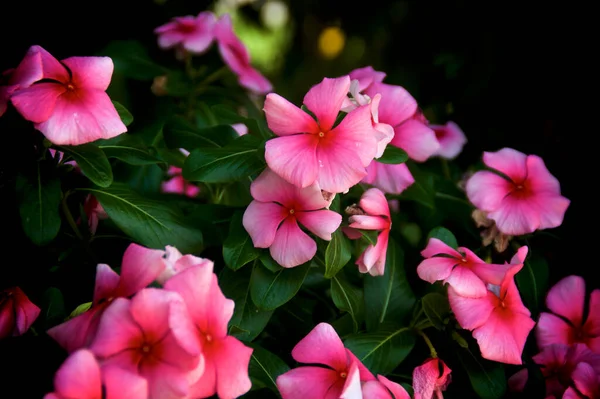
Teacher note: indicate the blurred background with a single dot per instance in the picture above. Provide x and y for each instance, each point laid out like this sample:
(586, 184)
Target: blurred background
(509, 75)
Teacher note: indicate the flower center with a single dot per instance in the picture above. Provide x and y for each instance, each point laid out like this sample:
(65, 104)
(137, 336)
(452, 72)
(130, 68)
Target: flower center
(208, 337)
(343, 374)
(146, 348)
(292, 211)
(70, 87)
(321, 134)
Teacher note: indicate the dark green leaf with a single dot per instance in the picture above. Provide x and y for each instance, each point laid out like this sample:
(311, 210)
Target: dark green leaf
(53, 307)
(393, 155)
(436, 308)
(264, 368)
(236, 161)
(532, 281)
(487, 377)
(271, 290)
(39, 202)
(131, 59)
(226, 115)
(383, 350)
(422, 190)
(388, 297)
(370, 236)
(337, 254)
(443, 234)
(153, 224)
(247, 321)
(348, 298)
(269, 262)
(129, 149)
(92, 161)
(179, 133)
(124, 114)
(238, 248)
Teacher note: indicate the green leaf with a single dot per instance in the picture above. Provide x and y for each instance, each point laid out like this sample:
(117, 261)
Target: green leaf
(92, 161)
(235, 161)
(271, 290)
(179, 133)
(53, 307)
(370, 236)
(532, 281)
(247, 321)
(129, 149)
(436, 308)
(269, 262)
(393, 155)
(388, 297)
(487, 377)
(227, 115)
(337, 254)
(154, 224)
(238, 248)
(131, 59)
(348, 298)
(39, 201)
(124, 114)
(264, 368)
(444, 235)
(422, 190)
(383, 350)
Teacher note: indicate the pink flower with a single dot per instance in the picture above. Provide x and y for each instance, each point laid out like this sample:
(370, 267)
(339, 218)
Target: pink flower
(431, 378)
(310, 151)
(151, 335)
(70, 105)
(94, 211)
(178, 185)
(272, 218)
(373, 213)
(525, 199)
(586, 383)
(391, 179)
(566, 324)
(138, 270)
(382, 388)
(29, 70)
(17, 312)
(451, 138)
(236, 56)
(226, 359)
(240, 128)
(193, 34)
(464, 271)
(340, 379)
(499, 321)
(366, 76)
(80, 377)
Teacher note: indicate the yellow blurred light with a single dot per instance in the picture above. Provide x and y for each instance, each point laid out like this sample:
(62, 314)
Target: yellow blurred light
(331, 42)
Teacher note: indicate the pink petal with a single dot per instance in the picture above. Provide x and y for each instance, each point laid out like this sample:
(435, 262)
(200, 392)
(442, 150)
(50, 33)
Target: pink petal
(511, 162)
(325, 99)
(165, 382)
(284, 118)
(417, 139)
(425, 379)
(30, 69)
(107, 281)
(539, 178)
(79, 331)
(355, 134)
(150, 309)
(116, 331)
(487, 190)
(270, 187)
(322, 223)
(90, 72)
(7, 318)
(37, 103)
(308, 382)
(231, 48)
(122, 384)
(396, 389)
(352, 386)
(551, 209)
(261, 220)
(366, 222)
(392, 179)
(451, 139)
(435, 246)
(253, 80)
(321, 345)
(79, 377)
(466, 283)
(375, 390)
(82, 118)
(592, 324)
(231, 359)
(140, 267)
(26, 312)
(435, 269)
(201, 38)
(566, 298)
(52, 68)
(551, 329)
(292, 246)
(471, 312)
(373, 202)
(366, 76)
(516, 217)
(365, 374)
(397, 104)
(294, 158)
(175, 185)
(587, 380)
(206, 385)
(372, 260)
(517, 381)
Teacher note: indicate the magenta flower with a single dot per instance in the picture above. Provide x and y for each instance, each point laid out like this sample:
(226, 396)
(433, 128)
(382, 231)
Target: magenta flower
(189, 33)
(70, 105)
(366, 76)
(373, 213)
(226, 359)
(586, 383)
(340, 379)
(451, 138)
(499, 321)
(178, 185)
(80, 377)
(236, 56)
(272, 218)
(382, 388)
(391, 179)
(566, 323)
(310, 151)
(526, 198)
(29, 70)
(151, 335)
(17, 312)
(430, 379)
(464, 271)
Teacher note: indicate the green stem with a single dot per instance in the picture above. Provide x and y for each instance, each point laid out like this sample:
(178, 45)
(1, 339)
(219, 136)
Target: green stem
(69, 216)
(432, 350)
(452, 198)
(212, 77)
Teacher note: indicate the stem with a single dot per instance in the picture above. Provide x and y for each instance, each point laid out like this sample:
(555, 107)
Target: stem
(428, 342)
(452, 198)
(446, 168)
(212, 77)
(69, 216)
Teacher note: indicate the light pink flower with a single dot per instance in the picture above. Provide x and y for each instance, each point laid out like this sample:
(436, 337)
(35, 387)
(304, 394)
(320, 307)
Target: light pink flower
(340, 378)
(586, 383)
(17, 312)
(310, 151)
(391, 179)
(430, 379)
(374, 214)
(178, 185)
(192, 34)
(80, 377)
(464, 271)
(382, 388)
(94, 211)
(272, 218)
(240, 128)
(366, 76)
(151, 335)
(70, 105)
(499, 321)
(566, 323)
(525, 199)
(226, 359)
(29, 70)
(451, 138)
(138, 270)
(60, 156)
(236, 56)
